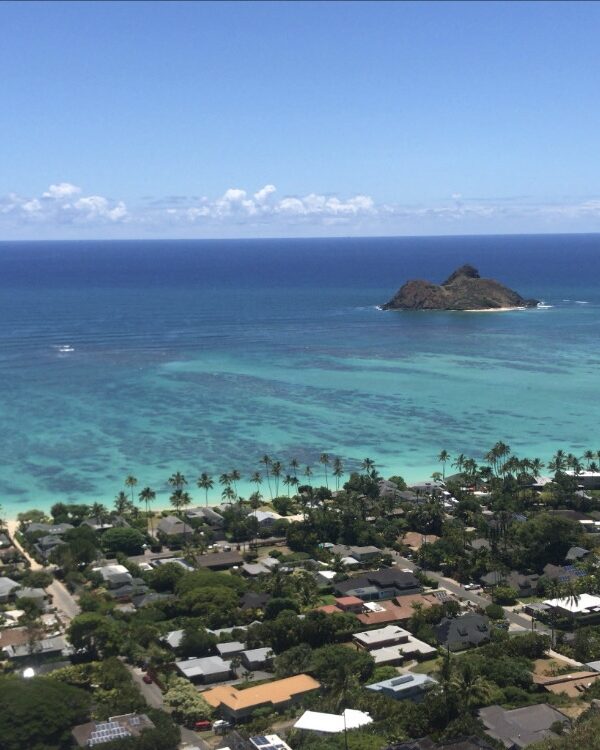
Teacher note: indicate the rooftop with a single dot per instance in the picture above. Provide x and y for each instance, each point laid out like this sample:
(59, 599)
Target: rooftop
(278, 691)
(316, 721)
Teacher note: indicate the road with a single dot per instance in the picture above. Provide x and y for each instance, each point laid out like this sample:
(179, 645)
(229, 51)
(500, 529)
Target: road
(151, 692)
(477, 597)
(64, 601)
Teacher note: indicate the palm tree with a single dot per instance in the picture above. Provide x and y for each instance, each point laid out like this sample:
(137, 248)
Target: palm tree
(558, 462)
(308, 472)
(267, 462)
(177, 480)
(276, 468)
(459, 462)
(205, 482)
(367, 465)
(147, 495)
(338, 471)
(131, 482)
(294, 466)
(536, 466)
(225, 480)
(235, 476)
(442, 458)
(287, 480)
(294, 481)
(324, 459)
(121, 503)
(474, 689)
(257, 480)
(589, 457)
(228, 494)
(99, 513)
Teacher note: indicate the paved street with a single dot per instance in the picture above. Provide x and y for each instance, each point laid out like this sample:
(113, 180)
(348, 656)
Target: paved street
(477, 597)
(152, 693)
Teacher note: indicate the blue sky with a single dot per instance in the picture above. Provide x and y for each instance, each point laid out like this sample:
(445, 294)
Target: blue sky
(294, 119)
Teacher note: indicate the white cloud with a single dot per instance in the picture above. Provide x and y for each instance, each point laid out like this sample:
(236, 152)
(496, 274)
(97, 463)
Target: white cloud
(241, 212)
(62, 190)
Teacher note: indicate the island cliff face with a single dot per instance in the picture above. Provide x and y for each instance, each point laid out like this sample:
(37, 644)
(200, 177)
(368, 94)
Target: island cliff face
(462, 290)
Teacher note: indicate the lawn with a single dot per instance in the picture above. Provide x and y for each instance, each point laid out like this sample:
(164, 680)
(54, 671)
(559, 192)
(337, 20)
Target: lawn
(428, 666)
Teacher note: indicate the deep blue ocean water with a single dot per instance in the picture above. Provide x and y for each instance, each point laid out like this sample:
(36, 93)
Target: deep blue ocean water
(202, 356)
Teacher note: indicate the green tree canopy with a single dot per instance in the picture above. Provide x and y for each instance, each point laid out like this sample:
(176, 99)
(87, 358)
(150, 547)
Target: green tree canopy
(38, 713)
(123, 539)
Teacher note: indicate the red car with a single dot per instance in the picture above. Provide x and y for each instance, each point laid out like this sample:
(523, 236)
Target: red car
(147, 679)
(203, 726)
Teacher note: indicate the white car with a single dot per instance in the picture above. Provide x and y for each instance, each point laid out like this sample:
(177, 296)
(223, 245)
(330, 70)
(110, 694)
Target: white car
(471, 587)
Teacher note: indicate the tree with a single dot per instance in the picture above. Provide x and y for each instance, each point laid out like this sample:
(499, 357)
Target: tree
(186, 703)
(129, 541)
(266, 460)
(324, 461)
(131, 482)
(276, 468)
(121, 503)
(338, 471)
(206, 483)
(177, 480)
(39, 713)
(443, 457)
(339, 669)
(295, 660)
(147, 495)
(196, 641)
(95, 633)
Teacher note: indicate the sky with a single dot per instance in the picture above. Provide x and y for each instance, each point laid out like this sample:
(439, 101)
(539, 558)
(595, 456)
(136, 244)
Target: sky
(260, 119)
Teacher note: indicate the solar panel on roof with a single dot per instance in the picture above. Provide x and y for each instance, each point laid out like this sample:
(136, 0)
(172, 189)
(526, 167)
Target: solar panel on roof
(260, 741)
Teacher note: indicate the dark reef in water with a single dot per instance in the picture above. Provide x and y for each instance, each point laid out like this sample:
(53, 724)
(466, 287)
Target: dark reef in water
(462, 290)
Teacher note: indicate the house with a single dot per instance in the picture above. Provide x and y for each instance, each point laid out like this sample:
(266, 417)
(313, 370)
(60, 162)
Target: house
(8, 589)
(576, 553)
(205, 670)
(349, 604)
(254, 600)
(219, 560)
(588, 480)
(520, 727)
(40, 598)
(265, 518)
(562, 573)
(46, 647)
(381, 584)
(398, 610)
(458, 633)
(573, 684)
(171, 526)
(117, 727)
(328, 609)
(230, 649)
(49, 528)
(479, 544)
(459, 743)
(321, 723)
(46, 544)
(392, 644)
(208, 515)
(238, 704)
(114, 576)
(128, 591)
(584, 608)
(524, 585)
(98, 525)
(404, 687)
(257, 658)
(361, 554)
(4, 542)
(253, 570)
(414, 540)
(325, 578)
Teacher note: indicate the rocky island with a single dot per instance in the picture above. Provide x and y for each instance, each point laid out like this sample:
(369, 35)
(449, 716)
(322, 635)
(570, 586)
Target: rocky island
(462, 290)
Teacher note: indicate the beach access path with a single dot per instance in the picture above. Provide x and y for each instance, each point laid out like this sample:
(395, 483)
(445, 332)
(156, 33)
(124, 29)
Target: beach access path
(62, 599)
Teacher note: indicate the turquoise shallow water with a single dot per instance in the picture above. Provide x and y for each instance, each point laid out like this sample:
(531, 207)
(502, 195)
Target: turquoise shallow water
(204, 356)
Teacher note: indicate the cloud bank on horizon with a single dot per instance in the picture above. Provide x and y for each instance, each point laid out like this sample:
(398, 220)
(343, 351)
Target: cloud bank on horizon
(64, 210)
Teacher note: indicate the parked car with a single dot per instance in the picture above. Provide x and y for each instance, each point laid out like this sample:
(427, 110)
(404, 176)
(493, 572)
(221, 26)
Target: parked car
(147, 679)
(203, 725)
(472, 587)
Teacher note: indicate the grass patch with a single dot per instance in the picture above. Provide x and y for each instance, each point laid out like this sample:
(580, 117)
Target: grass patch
(428, 666)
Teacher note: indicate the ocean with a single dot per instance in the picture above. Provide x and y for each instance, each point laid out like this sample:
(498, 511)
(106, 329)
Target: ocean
(151, 357)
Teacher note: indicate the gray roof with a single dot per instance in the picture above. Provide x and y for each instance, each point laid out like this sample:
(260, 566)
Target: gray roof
(44, 646)
(171, 525)
(576, 553)
(464, 631)
(7, 585)
(49, 528)
(521, 726)
(230, 649)
(32, 593)
(258, 654)
(205, 667)
(208, 514)
(396, 686)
